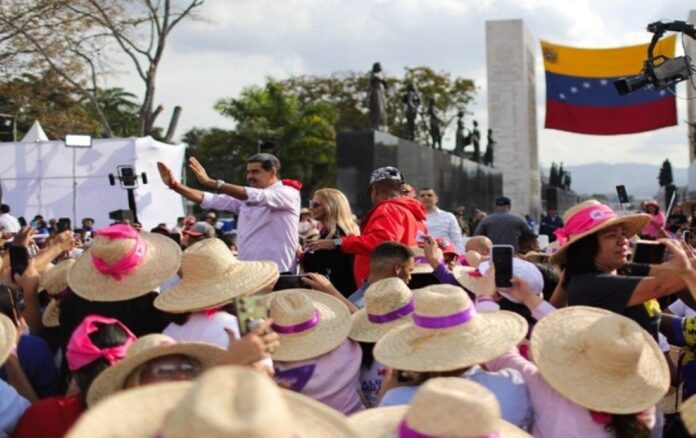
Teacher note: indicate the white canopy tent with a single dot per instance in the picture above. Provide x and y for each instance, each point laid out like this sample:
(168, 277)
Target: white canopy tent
(35, 133)
(37, 178)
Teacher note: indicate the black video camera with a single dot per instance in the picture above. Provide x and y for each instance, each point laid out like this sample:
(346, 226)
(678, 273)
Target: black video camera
(660, 71)
(121, 216)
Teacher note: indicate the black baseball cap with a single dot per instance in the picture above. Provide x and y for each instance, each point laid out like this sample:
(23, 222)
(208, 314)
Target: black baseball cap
(502, 201)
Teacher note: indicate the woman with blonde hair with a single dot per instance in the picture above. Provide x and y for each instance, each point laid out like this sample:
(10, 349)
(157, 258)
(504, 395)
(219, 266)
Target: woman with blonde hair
(331, 208)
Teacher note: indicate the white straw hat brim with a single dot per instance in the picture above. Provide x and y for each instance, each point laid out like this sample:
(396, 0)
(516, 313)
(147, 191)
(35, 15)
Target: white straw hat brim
(575, 376)
(55, 279)
(242, 278)
(8, 337)
(633, 224)
(485, 337)
(364, 330)
(114, 378)
(51, 314)
(384, 423)
(331, 330)
(161, 262)
(141, 413)
(687, 411)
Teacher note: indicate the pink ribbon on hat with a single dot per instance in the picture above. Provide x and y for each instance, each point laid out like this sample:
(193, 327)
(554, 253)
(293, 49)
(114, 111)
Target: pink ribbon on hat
(126, 264)
(405, 431)
(584, 220)
(81, 351)
(447, 321)
(297, 328)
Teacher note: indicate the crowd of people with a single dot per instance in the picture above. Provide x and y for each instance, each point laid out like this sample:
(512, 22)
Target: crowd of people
(294, 321)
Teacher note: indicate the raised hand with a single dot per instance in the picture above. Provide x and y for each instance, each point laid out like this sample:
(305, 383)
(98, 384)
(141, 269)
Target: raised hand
(200, 173)
(165, 173)
(256, 345)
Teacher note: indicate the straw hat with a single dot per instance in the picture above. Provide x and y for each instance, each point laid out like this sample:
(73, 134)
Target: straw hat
(688, 414)
(633, 224)
(160, 262)
(447, 334)
(537, 257)
(55, 280)
(469, 277)
(442, 407)
(388, 304)
(223, 402)
(8, 337)
(309, 323)
(213, 277)
(143, 350)
(422, 266)
(600, 360)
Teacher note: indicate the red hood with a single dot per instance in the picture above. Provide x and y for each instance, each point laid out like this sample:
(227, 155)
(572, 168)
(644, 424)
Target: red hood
(411, 204)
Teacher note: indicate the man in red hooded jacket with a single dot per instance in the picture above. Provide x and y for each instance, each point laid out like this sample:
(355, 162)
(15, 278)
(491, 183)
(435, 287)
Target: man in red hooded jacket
(393, 217)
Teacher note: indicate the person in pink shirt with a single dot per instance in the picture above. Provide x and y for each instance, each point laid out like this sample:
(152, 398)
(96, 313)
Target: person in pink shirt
(268, 210)
(657, 220)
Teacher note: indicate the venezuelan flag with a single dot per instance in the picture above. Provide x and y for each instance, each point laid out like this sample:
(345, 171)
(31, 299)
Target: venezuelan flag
(581, 97)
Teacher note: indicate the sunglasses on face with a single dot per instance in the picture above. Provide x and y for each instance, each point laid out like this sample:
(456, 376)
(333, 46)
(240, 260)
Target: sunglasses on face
(313, 204)
(167, 370)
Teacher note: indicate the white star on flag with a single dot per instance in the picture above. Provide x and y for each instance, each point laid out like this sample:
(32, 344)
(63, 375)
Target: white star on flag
(603, 82)
(662, 92)
(573, 89)
(586, 85)
(562, 96)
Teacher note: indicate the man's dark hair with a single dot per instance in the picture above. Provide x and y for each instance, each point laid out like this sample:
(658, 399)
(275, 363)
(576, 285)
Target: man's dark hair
(388, 186)
(390, 253)
(580, 257)
(426, 188)
(268, 161)
(4, 208)
(526, 241)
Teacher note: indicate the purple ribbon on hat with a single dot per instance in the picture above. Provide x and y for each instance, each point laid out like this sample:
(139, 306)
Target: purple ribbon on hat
(421, 260)
(405, 431)
(297, 328)
(393, 315)
(441, 322)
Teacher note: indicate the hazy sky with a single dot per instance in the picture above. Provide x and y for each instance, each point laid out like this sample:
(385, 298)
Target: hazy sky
(244, 41)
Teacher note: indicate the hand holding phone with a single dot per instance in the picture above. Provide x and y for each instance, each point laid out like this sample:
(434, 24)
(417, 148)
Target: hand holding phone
(502, 261)
(251, 311)
(648, 251)
(19, 260)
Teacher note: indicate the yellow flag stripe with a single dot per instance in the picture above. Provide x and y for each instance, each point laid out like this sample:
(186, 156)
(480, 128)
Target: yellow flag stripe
(601, 63)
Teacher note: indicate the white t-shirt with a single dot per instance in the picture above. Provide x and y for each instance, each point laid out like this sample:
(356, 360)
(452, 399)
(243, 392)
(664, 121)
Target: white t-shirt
(679, 308)
(371, 380)
(203, 328)
(9, 223)
(12, 407)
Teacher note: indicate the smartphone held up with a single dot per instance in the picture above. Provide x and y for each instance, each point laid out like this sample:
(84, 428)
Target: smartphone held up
(502, 261)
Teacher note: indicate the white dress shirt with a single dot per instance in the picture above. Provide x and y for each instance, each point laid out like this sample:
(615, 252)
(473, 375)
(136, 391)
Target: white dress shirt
(442, 224)
(267, 224)
(9, 223)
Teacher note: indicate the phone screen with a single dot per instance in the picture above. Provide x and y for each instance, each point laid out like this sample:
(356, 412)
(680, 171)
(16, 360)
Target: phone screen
(648, 252)
(502, 260)
(251, 310)
(63, 224)
(623, 195)
(19, 260)
(289, 282)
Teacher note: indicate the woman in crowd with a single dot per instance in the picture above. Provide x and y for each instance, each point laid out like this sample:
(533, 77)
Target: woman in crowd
(388, 304)
(315, 356)
(677, 219)
(331, 208)
(657, 220)
(153, 359)
(448, 338)
(96, 344)
(33, 352)
(12, 402)
(594, 248)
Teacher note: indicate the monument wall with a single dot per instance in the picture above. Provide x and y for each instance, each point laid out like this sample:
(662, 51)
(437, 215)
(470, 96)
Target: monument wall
(456, 180)
(511, 85)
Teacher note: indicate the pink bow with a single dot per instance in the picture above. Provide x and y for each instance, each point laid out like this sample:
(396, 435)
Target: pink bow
(584, 220)
(126, 264)
(81, 351)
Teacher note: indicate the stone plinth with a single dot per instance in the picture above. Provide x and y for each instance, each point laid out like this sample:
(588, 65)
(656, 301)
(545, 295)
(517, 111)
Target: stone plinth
(511, 86)
(456, 180)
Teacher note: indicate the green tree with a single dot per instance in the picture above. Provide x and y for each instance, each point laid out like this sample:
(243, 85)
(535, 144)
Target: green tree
(304, 132)
(347, 94)
(120, 108)
(665, 178)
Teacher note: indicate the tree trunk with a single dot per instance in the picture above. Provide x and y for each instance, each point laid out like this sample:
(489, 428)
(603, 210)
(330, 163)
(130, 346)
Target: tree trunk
(172, 124)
